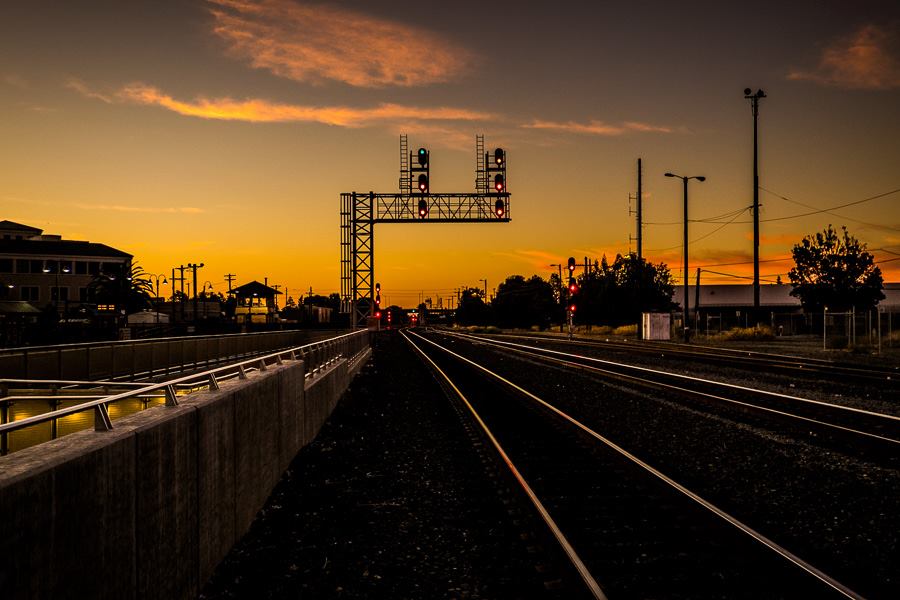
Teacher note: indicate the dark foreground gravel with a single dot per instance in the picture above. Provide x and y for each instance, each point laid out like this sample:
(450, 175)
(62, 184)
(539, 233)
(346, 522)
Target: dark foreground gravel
(390, 501)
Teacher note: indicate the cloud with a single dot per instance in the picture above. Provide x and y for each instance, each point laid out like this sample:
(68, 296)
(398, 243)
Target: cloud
(595, 127)
(82, 88)
(184, 210)
(16, 81)
(868, 59)
(316, 42)
(256, 110)
(263, 111)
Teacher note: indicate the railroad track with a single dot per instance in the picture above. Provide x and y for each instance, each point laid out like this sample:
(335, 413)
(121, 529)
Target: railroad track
(864, 432)
(742, 359)
(628, 529)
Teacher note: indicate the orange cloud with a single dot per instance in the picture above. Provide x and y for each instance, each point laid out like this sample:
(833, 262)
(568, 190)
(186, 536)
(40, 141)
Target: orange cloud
(865, 60)
(312, 43)
(82, 88)
(595, 127)
(263, 111)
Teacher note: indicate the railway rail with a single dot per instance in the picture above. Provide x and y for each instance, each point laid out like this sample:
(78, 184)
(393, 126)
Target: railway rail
(742, 359)
(627, 528)
(857, 429)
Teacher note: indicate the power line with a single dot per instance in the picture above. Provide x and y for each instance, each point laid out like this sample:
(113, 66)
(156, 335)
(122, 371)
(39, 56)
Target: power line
(866, 223)
(826, 210)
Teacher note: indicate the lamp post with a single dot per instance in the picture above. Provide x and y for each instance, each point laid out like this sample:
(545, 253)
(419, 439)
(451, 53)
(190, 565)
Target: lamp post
(754, 105)
(164, 280)
(684, 317)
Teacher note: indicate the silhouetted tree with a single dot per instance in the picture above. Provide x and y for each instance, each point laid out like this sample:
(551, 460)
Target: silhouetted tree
(619, 292)
(472, 310)
(131, 290)
(523, 303)
(836, 271)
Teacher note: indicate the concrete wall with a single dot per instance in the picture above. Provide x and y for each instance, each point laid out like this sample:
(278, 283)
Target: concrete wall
(148, 509)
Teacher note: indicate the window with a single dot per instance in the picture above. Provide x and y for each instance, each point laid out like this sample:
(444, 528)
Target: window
(6, 265)
(37, 266)
(23, 266)
(93, 268)
(59, 294)
(81, 268)
(29, 293)
(83, 294)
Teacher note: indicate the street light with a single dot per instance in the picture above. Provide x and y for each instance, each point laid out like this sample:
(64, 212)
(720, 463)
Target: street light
(164, 280)
(684, 316)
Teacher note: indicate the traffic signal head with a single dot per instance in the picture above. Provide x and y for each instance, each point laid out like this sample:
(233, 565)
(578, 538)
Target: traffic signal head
(571, 264)
(378, 288)
(423, 209)
(377, 300)
(571, 308)
(499, 208)
(499, 157)
(499, 183)
(377, 314)
(422, 155)
(573, 287)
(423, 183)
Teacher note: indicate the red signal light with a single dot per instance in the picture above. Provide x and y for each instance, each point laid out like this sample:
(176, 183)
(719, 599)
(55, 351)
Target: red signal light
(572, 308)
(423, 183)
(499, 183)
(378, 314)
(499, 208)
(423, 209)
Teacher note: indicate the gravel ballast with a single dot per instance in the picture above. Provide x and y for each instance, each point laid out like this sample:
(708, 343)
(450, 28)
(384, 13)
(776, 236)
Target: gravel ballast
(391, 500)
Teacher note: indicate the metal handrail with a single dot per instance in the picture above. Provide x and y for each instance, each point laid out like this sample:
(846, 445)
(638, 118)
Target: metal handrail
(15, 349)
(102, 421)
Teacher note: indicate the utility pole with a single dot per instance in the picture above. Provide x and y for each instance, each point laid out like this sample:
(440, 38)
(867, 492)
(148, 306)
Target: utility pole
(180, 279)
(640, 224)
(229, 277)
(697, 302)
(485, 290)
(754, 105)
(193, 267)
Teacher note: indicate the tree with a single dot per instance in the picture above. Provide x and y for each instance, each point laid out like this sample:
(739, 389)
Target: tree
(472, 310)
(835, 271)
(619, 292)
(523, 303)
(131, 291)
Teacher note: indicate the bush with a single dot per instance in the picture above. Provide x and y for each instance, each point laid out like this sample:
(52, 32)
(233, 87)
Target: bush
(604, 330)
(625, 330)
(748, 334)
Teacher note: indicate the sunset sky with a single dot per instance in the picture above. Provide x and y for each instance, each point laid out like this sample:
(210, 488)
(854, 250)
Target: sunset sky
(224, 131)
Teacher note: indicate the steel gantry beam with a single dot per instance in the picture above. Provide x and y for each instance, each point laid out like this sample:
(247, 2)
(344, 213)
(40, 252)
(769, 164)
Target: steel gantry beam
(360, 213)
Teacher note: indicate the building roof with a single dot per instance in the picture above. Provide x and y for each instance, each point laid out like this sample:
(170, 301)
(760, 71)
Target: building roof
(18, 227)
(17, 307)
(254, 287)
(60, 248)
(741, 295)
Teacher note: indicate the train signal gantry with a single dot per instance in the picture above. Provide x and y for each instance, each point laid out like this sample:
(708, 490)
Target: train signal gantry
(415, 203)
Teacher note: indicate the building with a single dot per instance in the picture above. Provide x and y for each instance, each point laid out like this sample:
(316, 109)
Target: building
(43, 269)
(722, 306)
(255, 303)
